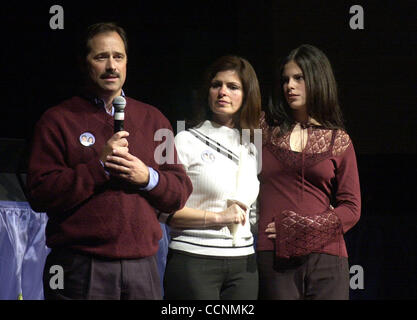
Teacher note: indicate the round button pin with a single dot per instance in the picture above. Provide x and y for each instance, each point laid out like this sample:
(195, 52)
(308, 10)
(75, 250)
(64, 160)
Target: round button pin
(87, 139)
(208, 156)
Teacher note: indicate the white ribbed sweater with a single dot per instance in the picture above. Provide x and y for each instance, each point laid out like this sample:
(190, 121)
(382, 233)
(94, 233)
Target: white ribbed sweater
(214, 179)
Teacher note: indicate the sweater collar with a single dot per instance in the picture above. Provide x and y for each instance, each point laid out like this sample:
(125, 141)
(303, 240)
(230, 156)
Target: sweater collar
(209, 125)
(219, 132)
(99, 102)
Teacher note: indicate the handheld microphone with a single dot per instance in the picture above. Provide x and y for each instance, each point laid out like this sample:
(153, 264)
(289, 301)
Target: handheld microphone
(119, 104)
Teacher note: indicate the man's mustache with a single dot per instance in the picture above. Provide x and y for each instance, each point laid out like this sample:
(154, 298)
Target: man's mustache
(110, 74)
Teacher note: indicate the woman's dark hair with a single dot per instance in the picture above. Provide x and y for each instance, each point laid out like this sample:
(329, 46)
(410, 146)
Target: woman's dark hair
(249, 112)
(321, 91)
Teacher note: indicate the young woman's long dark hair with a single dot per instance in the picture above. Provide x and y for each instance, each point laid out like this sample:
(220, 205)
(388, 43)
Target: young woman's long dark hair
(321, 91)
(249, 113)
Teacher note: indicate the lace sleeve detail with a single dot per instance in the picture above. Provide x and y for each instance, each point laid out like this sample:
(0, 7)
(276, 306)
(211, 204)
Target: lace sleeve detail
(299, 235)
(341, 143)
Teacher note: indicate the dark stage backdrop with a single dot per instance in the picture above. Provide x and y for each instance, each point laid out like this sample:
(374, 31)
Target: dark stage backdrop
(170, 45)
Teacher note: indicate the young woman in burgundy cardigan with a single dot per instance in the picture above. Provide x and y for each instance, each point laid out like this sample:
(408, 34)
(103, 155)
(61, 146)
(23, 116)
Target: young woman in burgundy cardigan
(309, 192)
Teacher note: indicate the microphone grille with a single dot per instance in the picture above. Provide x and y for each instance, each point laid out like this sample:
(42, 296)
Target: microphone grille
(119, 103)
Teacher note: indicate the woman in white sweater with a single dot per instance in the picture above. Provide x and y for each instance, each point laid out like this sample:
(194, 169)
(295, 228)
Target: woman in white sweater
(211, 254)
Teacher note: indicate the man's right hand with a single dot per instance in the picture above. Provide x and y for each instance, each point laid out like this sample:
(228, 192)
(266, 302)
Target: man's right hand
(117, 142)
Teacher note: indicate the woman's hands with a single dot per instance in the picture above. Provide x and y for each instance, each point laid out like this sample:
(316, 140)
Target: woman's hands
(270, 228)
(235, 213)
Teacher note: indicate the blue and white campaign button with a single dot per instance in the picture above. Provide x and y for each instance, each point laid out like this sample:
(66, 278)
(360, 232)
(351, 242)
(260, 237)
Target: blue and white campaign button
(87, 139)
(208, 156)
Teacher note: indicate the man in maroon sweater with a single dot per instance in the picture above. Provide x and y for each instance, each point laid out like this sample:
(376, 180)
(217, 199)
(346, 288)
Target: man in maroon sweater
(101, 190)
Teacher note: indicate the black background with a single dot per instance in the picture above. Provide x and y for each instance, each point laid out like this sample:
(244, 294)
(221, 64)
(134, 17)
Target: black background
(170, 45)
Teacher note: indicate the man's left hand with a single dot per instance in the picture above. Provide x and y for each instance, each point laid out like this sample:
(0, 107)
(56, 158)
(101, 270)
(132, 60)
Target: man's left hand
(126, 166)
